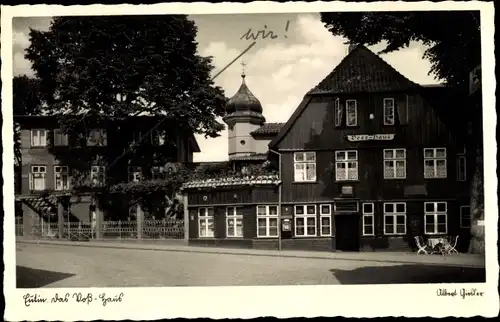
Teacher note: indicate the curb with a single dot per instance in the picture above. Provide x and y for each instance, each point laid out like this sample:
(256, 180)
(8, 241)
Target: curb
(226, 251)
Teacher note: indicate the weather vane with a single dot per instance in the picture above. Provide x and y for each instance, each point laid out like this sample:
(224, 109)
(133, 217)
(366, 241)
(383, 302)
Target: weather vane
(243, 68)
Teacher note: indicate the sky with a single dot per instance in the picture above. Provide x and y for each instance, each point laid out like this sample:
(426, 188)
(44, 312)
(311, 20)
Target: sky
(279, 71)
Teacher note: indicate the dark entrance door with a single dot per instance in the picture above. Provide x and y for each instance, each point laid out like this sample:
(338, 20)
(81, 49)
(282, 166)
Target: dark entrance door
(347, 232)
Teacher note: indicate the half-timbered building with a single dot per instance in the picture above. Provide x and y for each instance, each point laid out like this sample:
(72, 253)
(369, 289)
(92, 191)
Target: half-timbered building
(368, 161)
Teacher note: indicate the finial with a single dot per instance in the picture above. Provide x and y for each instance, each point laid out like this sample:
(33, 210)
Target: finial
(243, 69)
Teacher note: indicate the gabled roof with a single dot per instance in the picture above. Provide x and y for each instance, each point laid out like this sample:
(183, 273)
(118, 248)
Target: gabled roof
(363, 71)
(268, 129)
(291, 121)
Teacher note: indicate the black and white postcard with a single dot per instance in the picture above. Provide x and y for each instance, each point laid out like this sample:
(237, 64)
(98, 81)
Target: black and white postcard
(245, 160)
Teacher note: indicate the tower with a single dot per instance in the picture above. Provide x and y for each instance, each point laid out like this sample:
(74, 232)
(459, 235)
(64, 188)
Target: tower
(243, 115)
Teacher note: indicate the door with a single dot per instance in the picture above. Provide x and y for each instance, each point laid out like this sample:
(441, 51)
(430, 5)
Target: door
(347, 232)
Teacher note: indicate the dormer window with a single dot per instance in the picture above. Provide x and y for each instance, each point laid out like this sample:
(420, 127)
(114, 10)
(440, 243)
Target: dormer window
(351, 113)
(38, 138)
(389, 111)
(60, 138)
(97, 137)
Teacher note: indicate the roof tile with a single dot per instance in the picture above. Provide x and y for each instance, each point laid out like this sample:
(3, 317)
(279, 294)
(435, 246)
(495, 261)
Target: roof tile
(268, 129)
(363, 71)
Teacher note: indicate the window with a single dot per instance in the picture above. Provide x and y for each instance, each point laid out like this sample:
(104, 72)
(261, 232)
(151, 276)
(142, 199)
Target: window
(346, 165)
(435, 163)
(61, 177)
(389, 112)
(98, 175)
(394, 163)
(305, 220)
(305, 166)
(338, 113)
(395, 218)
(97, 137)
(134, 174)
(368, 219)
(157, 173)
(206, 222)
(464, 217)
(435, 217)
(352, 113)
(38, 138)
(267, 221)
(234, 222)
(38, 174)
(325, 220)
(60, 138)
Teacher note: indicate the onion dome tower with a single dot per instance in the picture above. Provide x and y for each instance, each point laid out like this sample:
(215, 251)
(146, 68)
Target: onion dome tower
(243, 115)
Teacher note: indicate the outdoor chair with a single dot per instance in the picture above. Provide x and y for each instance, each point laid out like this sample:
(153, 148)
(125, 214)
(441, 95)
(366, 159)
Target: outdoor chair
(450, 247)
(422, 246)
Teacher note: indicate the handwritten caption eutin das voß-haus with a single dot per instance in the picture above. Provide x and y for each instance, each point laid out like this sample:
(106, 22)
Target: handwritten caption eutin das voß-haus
(102, 298)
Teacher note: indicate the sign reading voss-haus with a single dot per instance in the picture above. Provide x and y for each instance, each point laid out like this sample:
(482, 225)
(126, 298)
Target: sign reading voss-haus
(370, 137)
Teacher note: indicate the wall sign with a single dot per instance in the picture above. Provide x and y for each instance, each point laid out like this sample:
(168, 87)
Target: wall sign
(370, 137)
(205, 198)
(347, 190)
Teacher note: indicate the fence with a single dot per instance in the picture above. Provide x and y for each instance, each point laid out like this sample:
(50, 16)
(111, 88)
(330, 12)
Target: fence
(151, 229)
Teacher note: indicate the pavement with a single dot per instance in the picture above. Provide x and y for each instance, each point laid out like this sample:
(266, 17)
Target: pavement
(105, 264)
(462, 260)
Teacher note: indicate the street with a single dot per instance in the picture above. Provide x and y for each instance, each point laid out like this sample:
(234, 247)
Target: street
(66, 266)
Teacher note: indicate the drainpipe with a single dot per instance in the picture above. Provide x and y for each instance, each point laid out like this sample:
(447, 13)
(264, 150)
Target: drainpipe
(279, 197)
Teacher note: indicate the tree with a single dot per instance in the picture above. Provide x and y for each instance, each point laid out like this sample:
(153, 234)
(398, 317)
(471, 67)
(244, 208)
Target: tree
(454, 49)
(26, 101)
(116, 66)
(106, 69)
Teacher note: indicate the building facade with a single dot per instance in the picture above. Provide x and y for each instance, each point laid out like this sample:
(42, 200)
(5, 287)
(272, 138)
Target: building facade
(368, 161)
(61, 172)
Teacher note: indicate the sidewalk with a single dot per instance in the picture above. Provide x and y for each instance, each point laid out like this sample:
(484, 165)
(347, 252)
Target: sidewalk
(465, 260)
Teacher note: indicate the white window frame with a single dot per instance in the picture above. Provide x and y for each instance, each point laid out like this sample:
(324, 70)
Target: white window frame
(95, 172)
(64, 137)
(347, 111)
(462, 217)
(388, 109)
(37, 139)
(38, 172)
(232, 217)
(461, 175)
(206, 218)
(302, 164)
(434, 159)
(393, 161)
(435, 215)
(103, 135)
(342, 157)
(394, 214)
(368, 214)
(268, 216)
(305, 216)
(134, 174)
(323, 215)
(61, 173)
